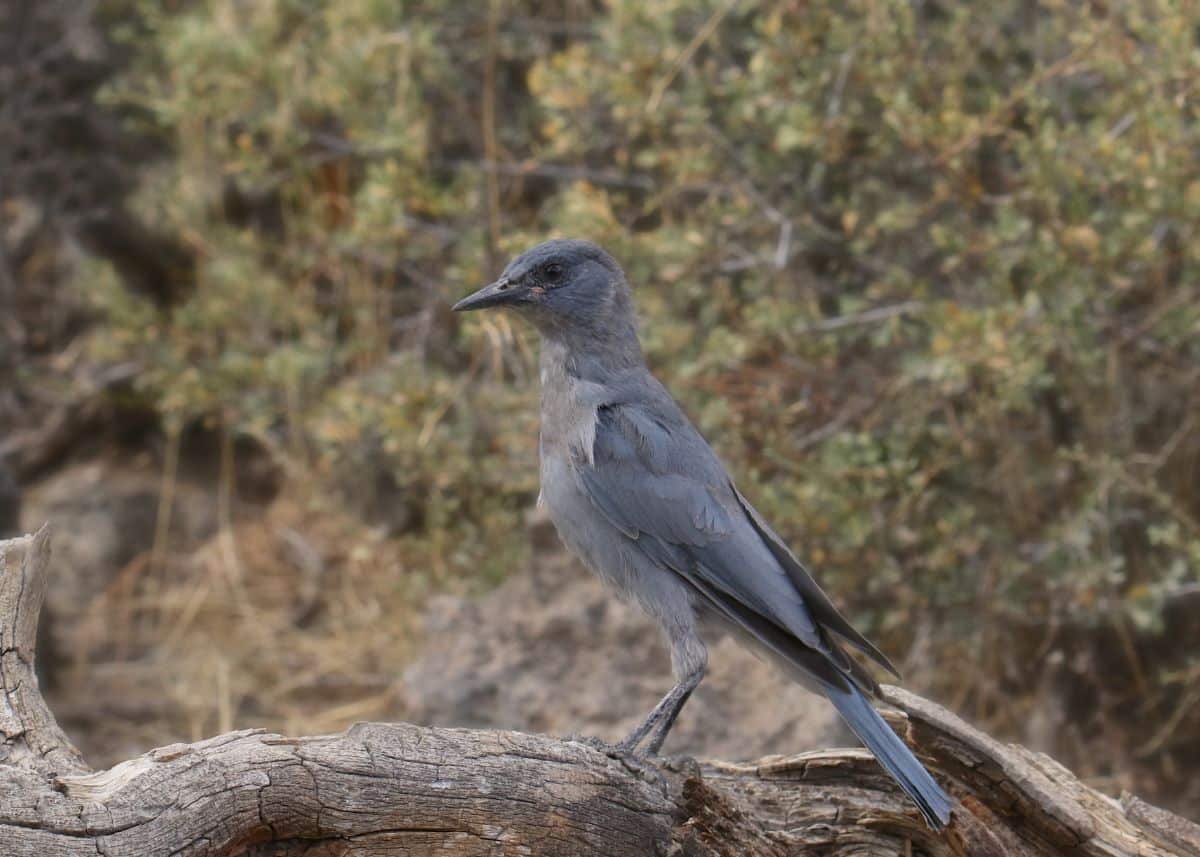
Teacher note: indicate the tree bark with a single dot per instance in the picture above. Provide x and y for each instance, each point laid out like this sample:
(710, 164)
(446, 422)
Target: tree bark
(396, 789)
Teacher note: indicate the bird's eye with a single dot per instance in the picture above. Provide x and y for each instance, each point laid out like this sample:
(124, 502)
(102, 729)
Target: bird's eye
(552, 272)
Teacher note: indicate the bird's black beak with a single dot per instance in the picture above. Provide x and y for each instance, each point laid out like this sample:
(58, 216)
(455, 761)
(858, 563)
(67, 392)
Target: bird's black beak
(497, 294)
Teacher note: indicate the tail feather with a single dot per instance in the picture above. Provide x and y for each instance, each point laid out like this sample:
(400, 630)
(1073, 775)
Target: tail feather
(818, 670)
(894, 755)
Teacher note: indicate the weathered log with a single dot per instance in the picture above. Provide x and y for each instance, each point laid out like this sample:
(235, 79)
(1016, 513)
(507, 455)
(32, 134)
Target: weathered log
(396, 789)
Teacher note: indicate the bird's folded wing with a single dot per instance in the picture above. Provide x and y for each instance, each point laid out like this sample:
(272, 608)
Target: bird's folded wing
(651, 472)
(818, 602)
(659, 483)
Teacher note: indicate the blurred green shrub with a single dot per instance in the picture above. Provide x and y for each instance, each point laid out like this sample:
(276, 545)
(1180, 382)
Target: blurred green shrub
(926, 271)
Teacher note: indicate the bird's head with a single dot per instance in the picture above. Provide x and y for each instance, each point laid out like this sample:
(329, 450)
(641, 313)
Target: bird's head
(561, 286)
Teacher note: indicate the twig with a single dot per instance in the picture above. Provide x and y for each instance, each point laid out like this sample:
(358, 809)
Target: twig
(1121, 126)
(685, 56)
(166, 497)
(844, 417)
(866, 317)
(989, 122)
(1191, 698)
(839, 86)
(783, 245)
(490, 147)
(335, 147)
(226, 542)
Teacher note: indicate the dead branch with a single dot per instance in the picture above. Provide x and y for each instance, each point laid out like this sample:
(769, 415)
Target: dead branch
(395, 789)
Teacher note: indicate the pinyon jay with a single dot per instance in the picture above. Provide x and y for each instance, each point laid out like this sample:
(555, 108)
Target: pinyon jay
(636, 492)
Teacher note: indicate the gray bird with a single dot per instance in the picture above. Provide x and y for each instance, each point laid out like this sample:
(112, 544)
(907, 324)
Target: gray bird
(637, 493)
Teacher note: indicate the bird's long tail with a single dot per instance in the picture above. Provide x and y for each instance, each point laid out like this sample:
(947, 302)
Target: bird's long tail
(893, 754)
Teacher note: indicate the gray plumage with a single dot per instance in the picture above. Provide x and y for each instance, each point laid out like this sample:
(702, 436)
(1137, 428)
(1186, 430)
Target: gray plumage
(638, 494)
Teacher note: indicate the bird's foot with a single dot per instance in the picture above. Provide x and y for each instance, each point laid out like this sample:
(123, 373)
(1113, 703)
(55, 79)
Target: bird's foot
(637, 762)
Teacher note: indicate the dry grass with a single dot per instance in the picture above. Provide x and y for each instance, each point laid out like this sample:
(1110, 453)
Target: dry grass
(294, 617)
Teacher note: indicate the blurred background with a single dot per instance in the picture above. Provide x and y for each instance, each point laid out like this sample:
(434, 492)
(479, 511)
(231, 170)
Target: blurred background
(926, 273)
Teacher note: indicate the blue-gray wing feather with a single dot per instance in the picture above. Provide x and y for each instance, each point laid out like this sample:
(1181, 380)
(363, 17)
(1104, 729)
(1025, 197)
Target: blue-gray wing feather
(655, 479)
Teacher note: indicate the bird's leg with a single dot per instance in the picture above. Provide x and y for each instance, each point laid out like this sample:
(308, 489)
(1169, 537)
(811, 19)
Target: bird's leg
(689, 659)
(673, 703)
(629, 744)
